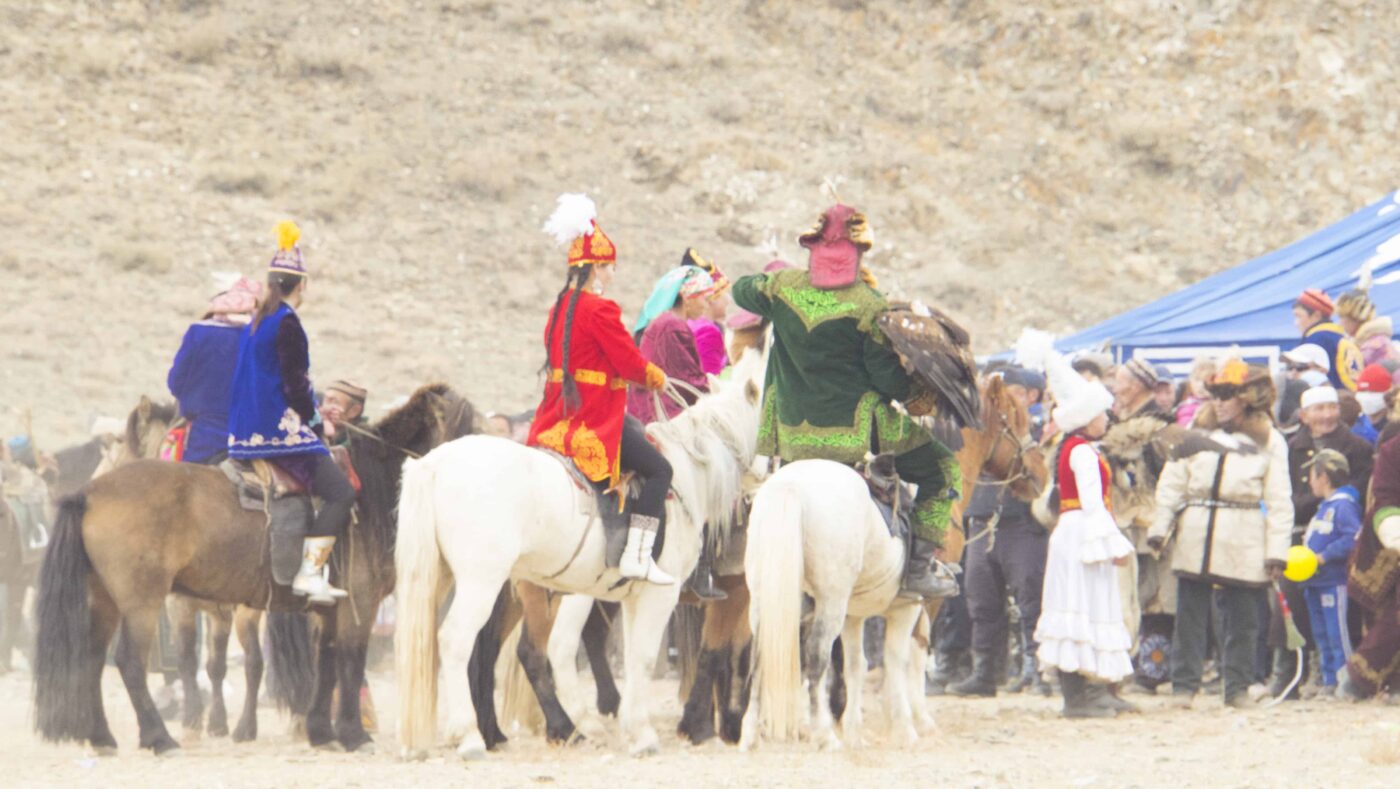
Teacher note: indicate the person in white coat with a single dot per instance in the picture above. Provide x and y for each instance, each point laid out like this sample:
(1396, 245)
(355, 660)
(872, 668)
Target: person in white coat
(1225, 499)
(1081, 631)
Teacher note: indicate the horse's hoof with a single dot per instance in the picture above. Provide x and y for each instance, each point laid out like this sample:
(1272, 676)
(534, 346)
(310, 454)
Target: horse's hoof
(241, 734)
(167, 748)
(472, 748)
(104, 751)
(218, 731)
(646, 745)
(366, 749)
(332, 746)
(412, 755)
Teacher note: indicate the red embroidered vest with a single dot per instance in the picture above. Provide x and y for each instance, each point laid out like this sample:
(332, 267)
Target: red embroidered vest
(1069, 488)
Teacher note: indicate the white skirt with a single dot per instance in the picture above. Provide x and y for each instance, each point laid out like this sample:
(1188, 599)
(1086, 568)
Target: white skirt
(1081, 609)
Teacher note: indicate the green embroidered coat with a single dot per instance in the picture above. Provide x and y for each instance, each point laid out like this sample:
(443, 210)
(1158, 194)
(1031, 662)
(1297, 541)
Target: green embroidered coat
(831, 372)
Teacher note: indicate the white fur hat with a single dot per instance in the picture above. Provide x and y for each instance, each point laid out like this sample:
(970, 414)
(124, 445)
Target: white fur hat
(1077, 400)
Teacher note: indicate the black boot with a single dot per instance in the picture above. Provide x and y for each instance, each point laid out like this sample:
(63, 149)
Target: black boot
(1117, 702)
(945, 671)
(1285, 667)
(925, 579)
(983, 681)
(702, 580)
(1081, 698)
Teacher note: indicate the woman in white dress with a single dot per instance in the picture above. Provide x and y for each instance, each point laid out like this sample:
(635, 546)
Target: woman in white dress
(1081, 630)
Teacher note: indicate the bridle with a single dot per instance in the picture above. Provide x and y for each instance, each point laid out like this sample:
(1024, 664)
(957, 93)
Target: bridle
(1022, 446)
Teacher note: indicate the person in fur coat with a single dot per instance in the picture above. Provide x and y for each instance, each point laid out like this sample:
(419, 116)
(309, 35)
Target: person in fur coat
(1224, 502)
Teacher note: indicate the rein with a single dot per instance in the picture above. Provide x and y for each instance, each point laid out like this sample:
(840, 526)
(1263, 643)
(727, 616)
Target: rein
(370, 434)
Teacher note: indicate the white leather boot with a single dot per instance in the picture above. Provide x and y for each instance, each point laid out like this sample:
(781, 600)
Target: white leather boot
(311, 578)
(636, 560)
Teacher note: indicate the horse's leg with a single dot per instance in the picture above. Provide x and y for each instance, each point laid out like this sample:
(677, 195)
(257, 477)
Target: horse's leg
(105, 619)
(319, 731)
(826, 625)
(184, 617)
(899, 630)
(595, 643)
(138, 629)
(644, 617)
(698, 717)
(918, 665)
(216, 666)
(533, 654)
(836, 681)
(853, 672)
(733, 683)
(471, 607)
(575, 611)
(352, 645)
(481, 669)
(246, 622)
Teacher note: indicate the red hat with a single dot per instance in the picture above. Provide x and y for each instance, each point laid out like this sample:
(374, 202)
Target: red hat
(835, 246)
(1373, 379)
(574, 222)
(1316, 300)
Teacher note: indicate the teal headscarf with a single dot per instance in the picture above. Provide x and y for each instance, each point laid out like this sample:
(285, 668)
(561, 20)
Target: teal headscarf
(689, 280)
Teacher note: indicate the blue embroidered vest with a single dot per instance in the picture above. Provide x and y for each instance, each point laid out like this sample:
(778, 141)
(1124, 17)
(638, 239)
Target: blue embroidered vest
(260, 422)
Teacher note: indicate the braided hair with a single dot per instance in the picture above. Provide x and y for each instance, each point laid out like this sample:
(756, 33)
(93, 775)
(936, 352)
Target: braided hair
(578, 277)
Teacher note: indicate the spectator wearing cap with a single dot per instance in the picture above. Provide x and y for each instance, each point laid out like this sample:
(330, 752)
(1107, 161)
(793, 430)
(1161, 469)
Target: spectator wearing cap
(1357, 315)
(1330, 534)
(1027, 387)
(1309, 363)
(1322, 428)
(1165, 393)
(1133, 389)
(1371, 390)
(343, 404)
(1312, 314)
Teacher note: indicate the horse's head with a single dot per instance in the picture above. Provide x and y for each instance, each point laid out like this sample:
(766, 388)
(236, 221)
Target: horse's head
(1014, 458)
(146, 427)
(434, 415)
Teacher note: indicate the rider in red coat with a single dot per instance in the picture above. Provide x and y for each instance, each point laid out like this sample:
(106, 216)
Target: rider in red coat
(591, 361)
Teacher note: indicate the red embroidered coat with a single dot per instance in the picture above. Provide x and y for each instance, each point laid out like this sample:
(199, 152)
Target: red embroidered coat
(603, 360)
(1069, 488)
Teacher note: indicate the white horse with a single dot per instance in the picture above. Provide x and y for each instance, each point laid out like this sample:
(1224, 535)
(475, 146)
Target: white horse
(814, 530)
(487, 510)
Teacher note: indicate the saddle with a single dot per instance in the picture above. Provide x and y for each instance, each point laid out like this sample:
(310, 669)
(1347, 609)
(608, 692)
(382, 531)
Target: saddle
(892, 497)
(27, 495)
(604, 505)
(264, 487)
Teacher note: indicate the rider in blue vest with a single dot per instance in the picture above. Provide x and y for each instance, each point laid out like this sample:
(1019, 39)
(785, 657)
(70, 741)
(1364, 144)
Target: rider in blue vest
(273, 413)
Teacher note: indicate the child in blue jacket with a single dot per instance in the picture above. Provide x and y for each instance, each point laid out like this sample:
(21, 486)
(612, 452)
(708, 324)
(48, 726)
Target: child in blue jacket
(1331, 535)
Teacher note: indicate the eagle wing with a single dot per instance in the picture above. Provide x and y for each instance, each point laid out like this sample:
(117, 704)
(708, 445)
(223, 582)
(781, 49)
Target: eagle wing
(937, 353)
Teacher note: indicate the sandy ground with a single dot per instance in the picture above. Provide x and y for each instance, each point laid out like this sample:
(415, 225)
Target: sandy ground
(1009, 741)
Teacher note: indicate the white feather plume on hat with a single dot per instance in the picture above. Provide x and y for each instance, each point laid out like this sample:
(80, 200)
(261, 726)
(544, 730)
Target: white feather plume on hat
(1077, 400)
(572, 217)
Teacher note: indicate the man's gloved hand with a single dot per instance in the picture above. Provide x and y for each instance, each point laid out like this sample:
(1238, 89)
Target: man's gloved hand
(656, 377)
(921, 402)
(1156, 543)
(868, 277)
(1275, 567)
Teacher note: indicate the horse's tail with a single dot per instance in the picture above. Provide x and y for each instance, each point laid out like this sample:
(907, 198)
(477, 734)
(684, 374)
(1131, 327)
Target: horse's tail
(67, 669)
(774, 569)
(291, 676)
(418, 561)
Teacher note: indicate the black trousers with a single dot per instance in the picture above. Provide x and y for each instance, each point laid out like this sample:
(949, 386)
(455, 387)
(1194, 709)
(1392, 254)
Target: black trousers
(1011, 562)
(646, 461)
(952, 629)
(1238, 634)
(337, 498)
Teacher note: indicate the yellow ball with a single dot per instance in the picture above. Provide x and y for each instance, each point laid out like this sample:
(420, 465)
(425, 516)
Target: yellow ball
(1302, 564)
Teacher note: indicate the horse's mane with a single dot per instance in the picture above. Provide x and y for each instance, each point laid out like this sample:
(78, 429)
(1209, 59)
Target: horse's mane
(413, 426)
(713, 434)
(155, 412)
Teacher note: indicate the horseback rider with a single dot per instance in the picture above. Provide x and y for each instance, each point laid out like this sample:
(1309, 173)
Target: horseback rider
(201, 377)
(665, 339)
(273, 414)
(343, 404)
(832, 377)
(709, 326)
(590, 361)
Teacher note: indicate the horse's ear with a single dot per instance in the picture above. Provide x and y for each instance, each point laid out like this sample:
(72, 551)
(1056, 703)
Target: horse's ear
(751, 392)
(143, 408)
(996, 387)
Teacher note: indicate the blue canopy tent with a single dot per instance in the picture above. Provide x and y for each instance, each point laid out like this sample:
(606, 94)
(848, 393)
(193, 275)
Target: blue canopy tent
(1251, 305)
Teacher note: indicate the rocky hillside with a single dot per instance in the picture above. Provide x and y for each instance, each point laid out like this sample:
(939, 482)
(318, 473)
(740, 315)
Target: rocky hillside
(1047, 163)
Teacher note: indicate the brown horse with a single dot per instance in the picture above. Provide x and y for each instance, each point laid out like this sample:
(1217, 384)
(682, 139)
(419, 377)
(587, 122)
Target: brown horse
(150, 529)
